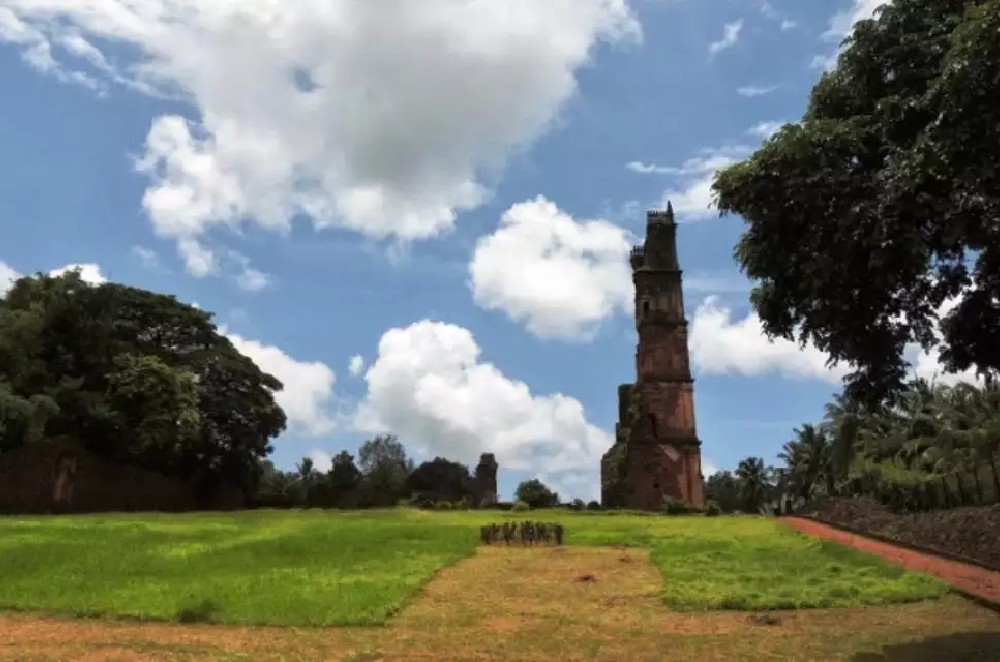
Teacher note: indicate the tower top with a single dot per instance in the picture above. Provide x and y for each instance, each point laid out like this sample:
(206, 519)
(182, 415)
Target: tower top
(664, 217)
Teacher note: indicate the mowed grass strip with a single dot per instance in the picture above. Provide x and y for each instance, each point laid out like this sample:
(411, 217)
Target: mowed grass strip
(358, 568)
(279, 568)
(755, 563)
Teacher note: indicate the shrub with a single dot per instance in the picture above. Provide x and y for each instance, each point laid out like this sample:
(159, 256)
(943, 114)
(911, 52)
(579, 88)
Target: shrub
(712, 509)
(577, 504)
(520, 507)
(672, 506)
(443, 505)
(593, 505)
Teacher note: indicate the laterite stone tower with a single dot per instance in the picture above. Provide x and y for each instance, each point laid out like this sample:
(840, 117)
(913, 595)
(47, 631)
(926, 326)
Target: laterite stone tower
(656, 453)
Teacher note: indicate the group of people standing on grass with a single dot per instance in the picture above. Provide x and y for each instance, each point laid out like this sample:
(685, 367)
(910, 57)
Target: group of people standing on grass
(528, 533)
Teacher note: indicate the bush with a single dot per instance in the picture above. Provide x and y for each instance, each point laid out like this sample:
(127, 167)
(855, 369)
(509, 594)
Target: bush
(577, 504)
(520, 507)
(672, 506)
(443, 505)
(536, 494)
(593, 505)
(712, 509)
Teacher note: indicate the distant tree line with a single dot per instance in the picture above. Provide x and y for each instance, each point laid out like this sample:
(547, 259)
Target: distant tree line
(933, 446)
(384, 475)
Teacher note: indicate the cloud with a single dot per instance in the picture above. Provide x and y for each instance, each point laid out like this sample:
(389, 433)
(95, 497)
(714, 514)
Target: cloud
(730, 35)
(557, 275)
(250, 279)
(708, 467)
(328, 110)
(430, 385)
(356, 365)
(648, 168)
(765, 130)
(90, 272)
(7, 277)
(842, 25)
(693, 198)
(147, 256)
(755, 90)
(824, 62)
(322, 460)
(769, 12)
(308, 396)
(721, 344)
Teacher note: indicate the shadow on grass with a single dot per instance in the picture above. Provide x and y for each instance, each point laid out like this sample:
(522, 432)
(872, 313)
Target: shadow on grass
(203, 612)
(969, 646)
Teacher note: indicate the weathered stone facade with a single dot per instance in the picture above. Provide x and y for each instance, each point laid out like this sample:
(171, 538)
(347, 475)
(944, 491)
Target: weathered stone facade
(484, 483)
(656, 454)
(59, 476)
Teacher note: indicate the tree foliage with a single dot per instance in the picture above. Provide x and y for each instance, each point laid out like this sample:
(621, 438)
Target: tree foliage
(880, 206)
(132, 375)
(933, 446)
(440, 480)
(536, 494)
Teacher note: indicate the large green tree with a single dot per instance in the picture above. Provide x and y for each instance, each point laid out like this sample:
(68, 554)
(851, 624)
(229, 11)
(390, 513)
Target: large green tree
(883, 202)
(132, 375)
(385, 466)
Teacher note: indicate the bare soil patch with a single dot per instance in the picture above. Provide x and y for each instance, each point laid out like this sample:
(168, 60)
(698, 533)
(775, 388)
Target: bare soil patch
(521, 604)
(970, 578)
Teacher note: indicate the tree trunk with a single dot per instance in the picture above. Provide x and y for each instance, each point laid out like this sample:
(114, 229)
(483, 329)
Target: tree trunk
(962, 499)
(979, 487)
(946, 493)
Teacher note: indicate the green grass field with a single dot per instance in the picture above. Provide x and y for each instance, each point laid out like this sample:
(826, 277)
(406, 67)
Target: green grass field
(354, 568)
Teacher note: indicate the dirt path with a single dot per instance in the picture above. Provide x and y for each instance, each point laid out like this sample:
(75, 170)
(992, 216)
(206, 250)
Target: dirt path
(538, 604)
(970, 578)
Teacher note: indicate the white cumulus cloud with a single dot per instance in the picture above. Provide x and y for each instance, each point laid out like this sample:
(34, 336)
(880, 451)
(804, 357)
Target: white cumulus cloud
(308, 396)
(356, 365)
(557, 275)
(430, 385)
(385, 117)
(89, 273)
(692, 196)
(720, 343)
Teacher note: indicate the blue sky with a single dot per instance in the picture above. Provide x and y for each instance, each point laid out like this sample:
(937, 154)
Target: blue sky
(416, 214)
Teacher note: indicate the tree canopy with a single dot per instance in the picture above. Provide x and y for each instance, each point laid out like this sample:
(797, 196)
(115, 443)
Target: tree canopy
(536, 494)
(870, 218)
(132, 375)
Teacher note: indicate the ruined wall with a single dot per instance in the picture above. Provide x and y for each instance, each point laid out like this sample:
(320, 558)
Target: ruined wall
(658, 471)
(59, 476)
(484, 482)
(672, 409)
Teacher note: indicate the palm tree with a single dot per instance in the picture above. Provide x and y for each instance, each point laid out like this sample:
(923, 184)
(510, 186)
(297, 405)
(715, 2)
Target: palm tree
(844, 421)
(808, 461)
(754, 482)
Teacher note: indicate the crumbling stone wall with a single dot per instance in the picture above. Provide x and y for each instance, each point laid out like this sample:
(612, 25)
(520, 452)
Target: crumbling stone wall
(59, 476)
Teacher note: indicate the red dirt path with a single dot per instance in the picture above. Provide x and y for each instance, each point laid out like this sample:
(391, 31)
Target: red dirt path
(972, 579)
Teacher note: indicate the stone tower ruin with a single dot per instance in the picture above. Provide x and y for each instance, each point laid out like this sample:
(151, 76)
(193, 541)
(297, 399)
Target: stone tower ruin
(484, 481)
(656, 454)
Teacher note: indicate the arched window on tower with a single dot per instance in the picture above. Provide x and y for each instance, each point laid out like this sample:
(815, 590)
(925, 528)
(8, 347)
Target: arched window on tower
(646, 307)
